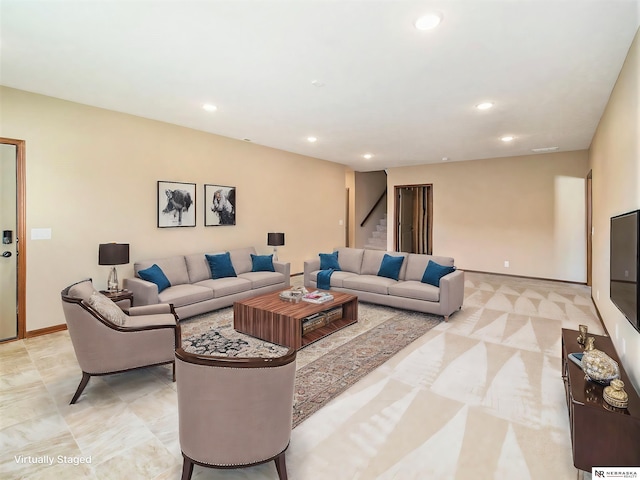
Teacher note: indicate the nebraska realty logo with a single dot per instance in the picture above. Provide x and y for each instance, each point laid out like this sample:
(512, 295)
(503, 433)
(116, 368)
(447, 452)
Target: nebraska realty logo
(50, 460)
(615, 472)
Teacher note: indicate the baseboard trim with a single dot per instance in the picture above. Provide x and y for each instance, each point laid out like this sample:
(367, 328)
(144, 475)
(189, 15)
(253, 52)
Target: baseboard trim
(526, 276)
(45, 331)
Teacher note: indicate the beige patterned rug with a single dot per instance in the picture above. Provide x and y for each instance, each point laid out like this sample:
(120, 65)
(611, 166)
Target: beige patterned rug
(325, 368)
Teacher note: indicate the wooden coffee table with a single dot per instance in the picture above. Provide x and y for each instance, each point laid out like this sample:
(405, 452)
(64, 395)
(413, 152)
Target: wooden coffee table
(269, 318)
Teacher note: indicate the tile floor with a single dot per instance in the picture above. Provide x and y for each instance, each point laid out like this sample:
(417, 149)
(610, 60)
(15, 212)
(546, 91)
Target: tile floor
(479, 397)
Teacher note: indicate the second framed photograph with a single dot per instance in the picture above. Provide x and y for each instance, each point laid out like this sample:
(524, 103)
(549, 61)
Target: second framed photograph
(176, 204)
(219, 205)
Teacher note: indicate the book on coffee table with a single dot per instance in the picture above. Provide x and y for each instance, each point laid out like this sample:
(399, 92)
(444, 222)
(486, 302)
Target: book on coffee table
(313, 322)
(317, 297)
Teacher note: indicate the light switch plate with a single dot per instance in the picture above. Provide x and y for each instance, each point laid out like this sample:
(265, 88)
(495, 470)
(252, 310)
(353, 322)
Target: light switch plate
(40, 234)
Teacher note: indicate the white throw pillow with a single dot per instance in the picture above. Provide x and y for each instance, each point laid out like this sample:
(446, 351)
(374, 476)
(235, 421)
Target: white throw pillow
(107, 308)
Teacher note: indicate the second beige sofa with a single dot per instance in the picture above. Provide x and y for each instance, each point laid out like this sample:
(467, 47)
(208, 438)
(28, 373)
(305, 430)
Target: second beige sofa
(358, 275)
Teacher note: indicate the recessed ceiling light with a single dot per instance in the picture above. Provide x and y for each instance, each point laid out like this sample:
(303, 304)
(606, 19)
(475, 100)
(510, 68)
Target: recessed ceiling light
(484, 106)
(209, 107)
(428, 21)
(507, 138)
(312, 139)
(317, 83)
(367, 156)
(445, 159)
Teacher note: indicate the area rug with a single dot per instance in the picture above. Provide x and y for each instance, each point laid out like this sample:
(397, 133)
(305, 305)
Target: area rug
(215, 335)
(326, 368)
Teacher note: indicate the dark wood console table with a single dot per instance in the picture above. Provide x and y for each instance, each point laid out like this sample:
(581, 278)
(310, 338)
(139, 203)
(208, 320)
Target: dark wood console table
(601, 436)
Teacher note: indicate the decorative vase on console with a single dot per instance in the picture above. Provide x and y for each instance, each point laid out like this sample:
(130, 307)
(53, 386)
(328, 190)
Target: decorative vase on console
(615, 395)
(584, 329)
(597, 365)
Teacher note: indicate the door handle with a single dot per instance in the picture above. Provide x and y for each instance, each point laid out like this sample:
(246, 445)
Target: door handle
(6, 254)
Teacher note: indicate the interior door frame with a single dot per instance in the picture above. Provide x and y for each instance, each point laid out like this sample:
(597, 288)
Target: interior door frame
(589, 211)
(427, 188)
(21, 230)
(405, 225)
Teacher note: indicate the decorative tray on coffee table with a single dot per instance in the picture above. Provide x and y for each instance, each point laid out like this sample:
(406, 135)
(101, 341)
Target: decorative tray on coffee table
(293, 295)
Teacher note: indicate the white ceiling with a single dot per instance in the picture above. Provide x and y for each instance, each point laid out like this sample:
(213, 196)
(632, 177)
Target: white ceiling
(406, 96)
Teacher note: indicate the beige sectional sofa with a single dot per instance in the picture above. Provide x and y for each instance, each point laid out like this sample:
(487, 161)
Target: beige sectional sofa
(358, 275)
(193, 290)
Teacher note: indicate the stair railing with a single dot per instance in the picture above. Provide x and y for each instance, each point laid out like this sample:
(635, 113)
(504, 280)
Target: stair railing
(384, 194)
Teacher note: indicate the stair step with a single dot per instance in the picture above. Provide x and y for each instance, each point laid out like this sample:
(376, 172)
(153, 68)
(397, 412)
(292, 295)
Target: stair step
(378, 238)
(377, 241)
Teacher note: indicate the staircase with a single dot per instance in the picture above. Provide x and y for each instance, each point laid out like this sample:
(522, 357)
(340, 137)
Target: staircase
(378, 239)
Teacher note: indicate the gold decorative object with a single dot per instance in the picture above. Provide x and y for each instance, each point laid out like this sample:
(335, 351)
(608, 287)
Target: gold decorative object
(615, 395)
(608, 407)
(590, 343)
(597, 365)
(583, 333)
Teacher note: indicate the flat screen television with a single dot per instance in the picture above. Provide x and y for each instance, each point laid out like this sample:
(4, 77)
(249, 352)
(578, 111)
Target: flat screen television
(625, 262)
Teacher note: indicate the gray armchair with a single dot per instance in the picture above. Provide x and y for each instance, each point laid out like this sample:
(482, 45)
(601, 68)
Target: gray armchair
(234, 412)
(147, 336)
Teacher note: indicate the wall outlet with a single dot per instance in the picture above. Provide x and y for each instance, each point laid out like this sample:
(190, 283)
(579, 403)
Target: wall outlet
(506, 264)
(340, 222)
(597, 294)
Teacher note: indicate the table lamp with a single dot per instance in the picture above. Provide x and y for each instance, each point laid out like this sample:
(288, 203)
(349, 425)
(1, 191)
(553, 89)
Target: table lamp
(275, 240)
(113, 254)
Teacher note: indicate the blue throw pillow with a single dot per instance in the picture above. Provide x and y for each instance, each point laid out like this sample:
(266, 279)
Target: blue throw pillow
(221, 266)
(155, 274)
(434, 272)
(329, 261)
(390, 266)
(262, 263)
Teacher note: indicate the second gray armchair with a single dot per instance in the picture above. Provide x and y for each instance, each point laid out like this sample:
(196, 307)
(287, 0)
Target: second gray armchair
(112, 341)
(234, 412)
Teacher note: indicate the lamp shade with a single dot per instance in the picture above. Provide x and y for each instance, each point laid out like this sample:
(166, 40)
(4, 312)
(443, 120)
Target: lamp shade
(275, 239)
(113, 253)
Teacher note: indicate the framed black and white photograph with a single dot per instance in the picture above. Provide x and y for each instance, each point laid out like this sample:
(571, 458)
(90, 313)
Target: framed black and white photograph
(219, 205)
(176, 204)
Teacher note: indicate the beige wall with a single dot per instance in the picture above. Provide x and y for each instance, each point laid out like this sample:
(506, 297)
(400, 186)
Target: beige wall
(528, 210)
(615, 163)
(91, 178)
